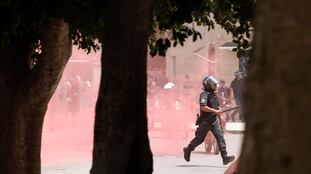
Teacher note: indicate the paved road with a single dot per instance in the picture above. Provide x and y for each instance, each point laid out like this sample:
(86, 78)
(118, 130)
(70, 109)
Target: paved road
(168, 158)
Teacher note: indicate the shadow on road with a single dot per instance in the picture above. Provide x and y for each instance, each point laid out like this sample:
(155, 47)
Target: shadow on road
(209, 166)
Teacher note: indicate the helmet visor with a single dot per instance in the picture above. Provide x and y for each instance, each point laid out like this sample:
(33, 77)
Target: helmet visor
(212, 81)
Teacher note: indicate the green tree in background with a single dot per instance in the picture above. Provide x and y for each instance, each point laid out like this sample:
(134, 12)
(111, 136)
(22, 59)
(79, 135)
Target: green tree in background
(236, 17)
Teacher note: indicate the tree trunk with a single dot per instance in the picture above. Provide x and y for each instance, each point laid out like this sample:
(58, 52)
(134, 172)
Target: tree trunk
(121, 144)
(278, 132)
(25, 94)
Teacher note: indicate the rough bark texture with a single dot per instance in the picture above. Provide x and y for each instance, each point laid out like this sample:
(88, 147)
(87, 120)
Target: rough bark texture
(25, 94)
(121, 144)
(278, 131)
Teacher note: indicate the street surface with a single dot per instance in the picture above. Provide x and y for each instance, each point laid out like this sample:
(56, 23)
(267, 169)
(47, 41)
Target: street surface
(168, 157)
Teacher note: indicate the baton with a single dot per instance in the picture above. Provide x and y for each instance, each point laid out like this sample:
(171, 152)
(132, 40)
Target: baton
(229, 109)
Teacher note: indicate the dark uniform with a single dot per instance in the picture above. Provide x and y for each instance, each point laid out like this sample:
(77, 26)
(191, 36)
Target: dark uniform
(208, 121)
(238, 87)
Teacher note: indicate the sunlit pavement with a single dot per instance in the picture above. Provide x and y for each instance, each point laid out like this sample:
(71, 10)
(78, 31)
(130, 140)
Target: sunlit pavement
(168, 158)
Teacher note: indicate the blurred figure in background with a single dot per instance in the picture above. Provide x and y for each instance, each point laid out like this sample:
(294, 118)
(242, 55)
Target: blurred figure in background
(74, 100)
(238, 86)
(224, 97)
(187, 89)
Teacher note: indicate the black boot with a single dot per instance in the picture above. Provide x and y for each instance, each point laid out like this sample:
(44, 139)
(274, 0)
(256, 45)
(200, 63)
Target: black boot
(227, 159)
(187, 154)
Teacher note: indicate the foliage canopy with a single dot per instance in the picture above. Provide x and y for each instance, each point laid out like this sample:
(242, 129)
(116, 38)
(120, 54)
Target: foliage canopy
(24, 21)
(235, 16)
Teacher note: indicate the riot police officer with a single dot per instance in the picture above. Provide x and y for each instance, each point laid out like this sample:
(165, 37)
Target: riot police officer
(208, 121)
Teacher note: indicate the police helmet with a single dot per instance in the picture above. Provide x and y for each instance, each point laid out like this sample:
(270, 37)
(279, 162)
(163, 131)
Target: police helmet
(210, 83)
